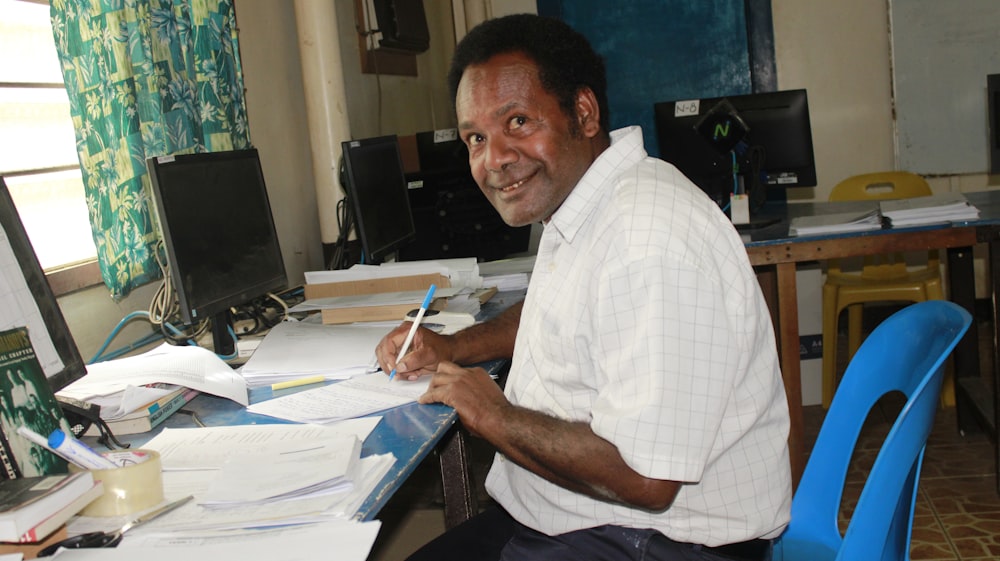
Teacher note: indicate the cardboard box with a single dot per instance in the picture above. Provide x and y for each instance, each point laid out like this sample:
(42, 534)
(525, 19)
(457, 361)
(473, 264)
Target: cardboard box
(374, 286)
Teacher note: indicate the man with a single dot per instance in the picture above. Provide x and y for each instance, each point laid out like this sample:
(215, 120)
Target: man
(644, 415)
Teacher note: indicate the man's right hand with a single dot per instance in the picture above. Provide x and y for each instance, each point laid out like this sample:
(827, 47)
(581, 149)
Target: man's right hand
(426, 350)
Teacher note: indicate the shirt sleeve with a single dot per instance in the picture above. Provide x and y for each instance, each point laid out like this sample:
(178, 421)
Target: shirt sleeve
(665, 358)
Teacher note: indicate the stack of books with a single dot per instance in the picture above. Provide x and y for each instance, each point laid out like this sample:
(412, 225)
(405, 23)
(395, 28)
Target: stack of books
(31, 508)
(148, 416)
(933, 209)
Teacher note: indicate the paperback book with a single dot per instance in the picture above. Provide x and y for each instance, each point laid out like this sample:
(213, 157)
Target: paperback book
(27, 400)
(31, 508)
(150, 415)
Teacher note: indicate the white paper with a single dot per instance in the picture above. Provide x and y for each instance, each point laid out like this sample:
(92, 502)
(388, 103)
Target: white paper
(184, 365)
(20, 309)
(298, 349)
(371, 470)
(933, 209)
(352, 541)
(275, 476)
(119, 404)
(352, 398)
(461, 273)
(210, 447)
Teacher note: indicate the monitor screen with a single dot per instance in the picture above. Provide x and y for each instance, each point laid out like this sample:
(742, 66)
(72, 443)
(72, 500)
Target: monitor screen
(376, 192)
(219, 235)
(778, 122)
(28, 301)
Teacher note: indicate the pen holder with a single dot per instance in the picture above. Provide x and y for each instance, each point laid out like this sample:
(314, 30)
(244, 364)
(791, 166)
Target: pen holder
(134, 487)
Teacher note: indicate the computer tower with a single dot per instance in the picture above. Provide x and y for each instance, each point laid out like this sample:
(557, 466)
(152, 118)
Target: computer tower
(452, 217)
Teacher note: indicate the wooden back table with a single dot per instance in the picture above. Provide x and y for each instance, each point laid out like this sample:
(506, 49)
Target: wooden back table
(775, 255)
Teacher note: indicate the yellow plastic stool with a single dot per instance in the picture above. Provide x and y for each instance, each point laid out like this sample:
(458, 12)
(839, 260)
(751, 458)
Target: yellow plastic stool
(882, 278)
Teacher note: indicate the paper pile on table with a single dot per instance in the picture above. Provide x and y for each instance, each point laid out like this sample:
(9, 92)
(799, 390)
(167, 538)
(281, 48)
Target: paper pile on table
(933, 209)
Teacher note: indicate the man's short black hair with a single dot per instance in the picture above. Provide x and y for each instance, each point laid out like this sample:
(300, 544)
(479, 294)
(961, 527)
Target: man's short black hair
(565, 59)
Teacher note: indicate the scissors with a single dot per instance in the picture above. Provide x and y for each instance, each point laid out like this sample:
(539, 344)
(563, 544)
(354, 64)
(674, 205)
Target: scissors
(110, 539)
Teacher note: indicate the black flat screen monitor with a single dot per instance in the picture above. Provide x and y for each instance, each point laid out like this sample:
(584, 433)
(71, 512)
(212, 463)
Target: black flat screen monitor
(376, 191)
(778, 124)
(219, 234)
(30, 302)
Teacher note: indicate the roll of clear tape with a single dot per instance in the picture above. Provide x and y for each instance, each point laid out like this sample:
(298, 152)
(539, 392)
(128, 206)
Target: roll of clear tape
(131, 488)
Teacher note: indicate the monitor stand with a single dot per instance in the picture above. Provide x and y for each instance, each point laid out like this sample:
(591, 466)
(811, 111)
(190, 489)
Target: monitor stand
(222, 341)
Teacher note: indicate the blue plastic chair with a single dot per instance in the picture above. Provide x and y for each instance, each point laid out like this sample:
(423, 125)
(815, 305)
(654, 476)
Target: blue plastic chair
(906, 354)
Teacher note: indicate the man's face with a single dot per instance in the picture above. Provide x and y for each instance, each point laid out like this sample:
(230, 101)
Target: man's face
(524, 151)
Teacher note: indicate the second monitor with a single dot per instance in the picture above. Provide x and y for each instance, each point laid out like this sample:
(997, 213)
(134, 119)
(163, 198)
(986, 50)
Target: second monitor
(778, 143)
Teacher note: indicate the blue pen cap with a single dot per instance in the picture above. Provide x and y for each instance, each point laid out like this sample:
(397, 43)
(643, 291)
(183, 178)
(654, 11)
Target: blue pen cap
(57, 438)
(429, 297)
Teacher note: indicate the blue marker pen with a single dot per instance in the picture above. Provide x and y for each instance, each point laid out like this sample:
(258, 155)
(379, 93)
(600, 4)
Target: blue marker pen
(77, 452)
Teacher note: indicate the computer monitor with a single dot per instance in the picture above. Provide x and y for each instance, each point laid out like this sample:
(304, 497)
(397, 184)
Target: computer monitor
(219, 235)
(27, 300)
(778, 142)
(375, 186)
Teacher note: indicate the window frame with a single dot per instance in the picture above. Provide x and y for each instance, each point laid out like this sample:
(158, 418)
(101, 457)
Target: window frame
(73, 276)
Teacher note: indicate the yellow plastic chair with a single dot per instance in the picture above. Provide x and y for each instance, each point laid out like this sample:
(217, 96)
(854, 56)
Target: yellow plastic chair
(882, 278)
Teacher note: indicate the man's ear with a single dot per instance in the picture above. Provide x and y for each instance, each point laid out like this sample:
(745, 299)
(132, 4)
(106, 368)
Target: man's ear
(588, 113)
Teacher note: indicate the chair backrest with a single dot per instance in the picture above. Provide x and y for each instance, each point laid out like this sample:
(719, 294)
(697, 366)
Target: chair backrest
(905, 354)
(881, 186)
(878, 187)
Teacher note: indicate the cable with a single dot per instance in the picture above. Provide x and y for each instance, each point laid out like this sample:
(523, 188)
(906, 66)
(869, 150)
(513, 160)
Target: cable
(284, 306)
(99, 355)
(756, 156)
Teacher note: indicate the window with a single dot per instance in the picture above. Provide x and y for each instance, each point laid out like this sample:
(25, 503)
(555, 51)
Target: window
(38, 158)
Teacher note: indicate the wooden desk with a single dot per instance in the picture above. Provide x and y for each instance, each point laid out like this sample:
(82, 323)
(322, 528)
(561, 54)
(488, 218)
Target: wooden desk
(775, 255)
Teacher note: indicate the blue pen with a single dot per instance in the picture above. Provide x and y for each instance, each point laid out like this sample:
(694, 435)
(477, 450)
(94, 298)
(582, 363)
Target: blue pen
(413, 328)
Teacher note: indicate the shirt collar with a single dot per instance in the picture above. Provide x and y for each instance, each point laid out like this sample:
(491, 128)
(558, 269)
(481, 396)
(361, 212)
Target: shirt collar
(625, 151)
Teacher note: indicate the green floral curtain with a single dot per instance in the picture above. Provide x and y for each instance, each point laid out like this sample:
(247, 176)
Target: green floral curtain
(145, 78)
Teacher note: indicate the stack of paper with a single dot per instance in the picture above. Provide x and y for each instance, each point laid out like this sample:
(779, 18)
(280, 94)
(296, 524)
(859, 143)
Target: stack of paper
(343, 540)
(118, 385)
(934, 209)
(236, 487)
(835, 223)
(508, 274)
(461, 273)
(278, 475)
(293, 350)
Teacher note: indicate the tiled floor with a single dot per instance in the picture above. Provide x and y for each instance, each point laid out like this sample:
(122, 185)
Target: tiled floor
(957, 515)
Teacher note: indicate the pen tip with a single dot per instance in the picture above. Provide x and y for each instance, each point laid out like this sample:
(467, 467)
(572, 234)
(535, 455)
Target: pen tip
(392, 374)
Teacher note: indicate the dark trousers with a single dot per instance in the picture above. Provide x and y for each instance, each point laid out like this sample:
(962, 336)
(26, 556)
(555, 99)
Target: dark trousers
(494, 536)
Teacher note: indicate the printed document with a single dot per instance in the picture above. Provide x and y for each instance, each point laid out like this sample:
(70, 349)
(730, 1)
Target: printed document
(361, 395)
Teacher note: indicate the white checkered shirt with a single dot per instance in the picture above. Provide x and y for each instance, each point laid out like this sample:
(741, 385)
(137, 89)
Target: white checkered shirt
(644, 318)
